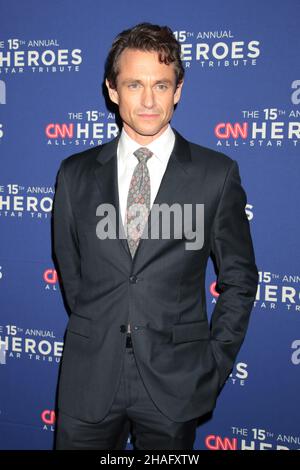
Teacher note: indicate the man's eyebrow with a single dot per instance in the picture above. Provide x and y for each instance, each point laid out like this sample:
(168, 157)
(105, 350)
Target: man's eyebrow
(162, 80)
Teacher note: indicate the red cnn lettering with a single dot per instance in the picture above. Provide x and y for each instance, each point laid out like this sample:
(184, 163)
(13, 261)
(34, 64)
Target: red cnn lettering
(50, 276)
(213, 442)
(48, 416)
(53, 131)
(212, 289)
(224, 130)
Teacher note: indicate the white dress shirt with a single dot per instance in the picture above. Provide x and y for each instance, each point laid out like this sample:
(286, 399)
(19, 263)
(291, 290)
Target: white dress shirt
(161, 147)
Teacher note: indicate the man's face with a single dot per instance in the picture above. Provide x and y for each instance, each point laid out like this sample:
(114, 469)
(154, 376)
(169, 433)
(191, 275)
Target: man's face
(145, 94)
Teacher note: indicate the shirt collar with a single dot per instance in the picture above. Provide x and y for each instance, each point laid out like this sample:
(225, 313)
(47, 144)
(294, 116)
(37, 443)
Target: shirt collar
(161, 147)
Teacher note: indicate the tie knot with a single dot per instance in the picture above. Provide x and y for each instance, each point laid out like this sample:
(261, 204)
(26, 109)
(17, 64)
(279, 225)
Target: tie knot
(143, 154)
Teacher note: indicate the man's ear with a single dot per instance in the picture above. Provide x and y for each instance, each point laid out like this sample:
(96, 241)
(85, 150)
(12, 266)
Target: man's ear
(113, 94)
(177, 93)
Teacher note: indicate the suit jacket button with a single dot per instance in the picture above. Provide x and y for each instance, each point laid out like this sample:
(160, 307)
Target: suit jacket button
(133, 279)
(123, 328)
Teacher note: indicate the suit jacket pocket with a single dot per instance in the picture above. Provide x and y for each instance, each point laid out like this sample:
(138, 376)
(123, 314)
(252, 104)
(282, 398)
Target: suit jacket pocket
(191, 331)
(79, 325)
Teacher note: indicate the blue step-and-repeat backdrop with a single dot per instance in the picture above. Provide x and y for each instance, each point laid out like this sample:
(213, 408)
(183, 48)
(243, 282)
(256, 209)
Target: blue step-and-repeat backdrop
(241, 96)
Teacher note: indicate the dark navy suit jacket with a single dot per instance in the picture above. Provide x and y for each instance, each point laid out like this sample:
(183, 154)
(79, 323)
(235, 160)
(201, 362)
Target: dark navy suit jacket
(184, 360)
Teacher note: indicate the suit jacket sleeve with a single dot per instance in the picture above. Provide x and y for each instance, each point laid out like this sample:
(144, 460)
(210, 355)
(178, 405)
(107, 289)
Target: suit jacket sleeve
(232, 252)
(66, 246)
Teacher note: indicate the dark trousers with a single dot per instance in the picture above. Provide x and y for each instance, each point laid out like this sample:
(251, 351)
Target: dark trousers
(132, 411)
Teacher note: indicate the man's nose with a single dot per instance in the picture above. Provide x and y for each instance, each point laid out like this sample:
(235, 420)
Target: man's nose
(148, 97)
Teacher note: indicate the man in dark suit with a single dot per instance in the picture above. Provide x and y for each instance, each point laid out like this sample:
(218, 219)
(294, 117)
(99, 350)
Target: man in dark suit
(140, 354)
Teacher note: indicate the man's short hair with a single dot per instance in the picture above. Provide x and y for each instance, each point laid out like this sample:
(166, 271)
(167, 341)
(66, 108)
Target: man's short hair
(145, 37)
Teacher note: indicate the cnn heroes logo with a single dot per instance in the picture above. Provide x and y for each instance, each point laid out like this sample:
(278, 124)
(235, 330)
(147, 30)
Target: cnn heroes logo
(50, 277)
(211, 49)
(268, 127)
(48, 418)
(19, 55)
(19, 201)
(242, 438)
(33, 344)
(85, 128)
(277, 290)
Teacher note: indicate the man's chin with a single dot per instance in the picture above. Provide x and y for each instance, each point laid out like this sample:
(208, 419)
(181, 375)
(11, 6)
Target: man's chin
(149, 130)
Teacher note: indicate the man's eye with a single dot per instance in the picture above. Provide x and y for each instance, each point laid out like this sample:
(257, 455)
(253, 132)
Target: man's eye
(160, 86)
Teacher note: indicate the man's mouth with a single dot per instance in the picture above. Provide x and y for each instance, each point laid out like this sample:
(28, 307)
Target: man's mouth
(148, 116)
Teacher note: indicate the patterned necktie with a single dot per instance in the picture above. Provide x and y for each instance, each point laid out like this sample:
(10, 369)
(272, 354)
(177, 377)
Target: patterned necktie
(138, 200)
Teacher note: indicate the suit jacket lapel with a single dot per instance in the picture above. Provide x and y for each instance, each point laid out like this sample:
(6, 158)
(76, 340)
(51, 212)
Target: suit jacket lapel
(173, 180)
(107, 179)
